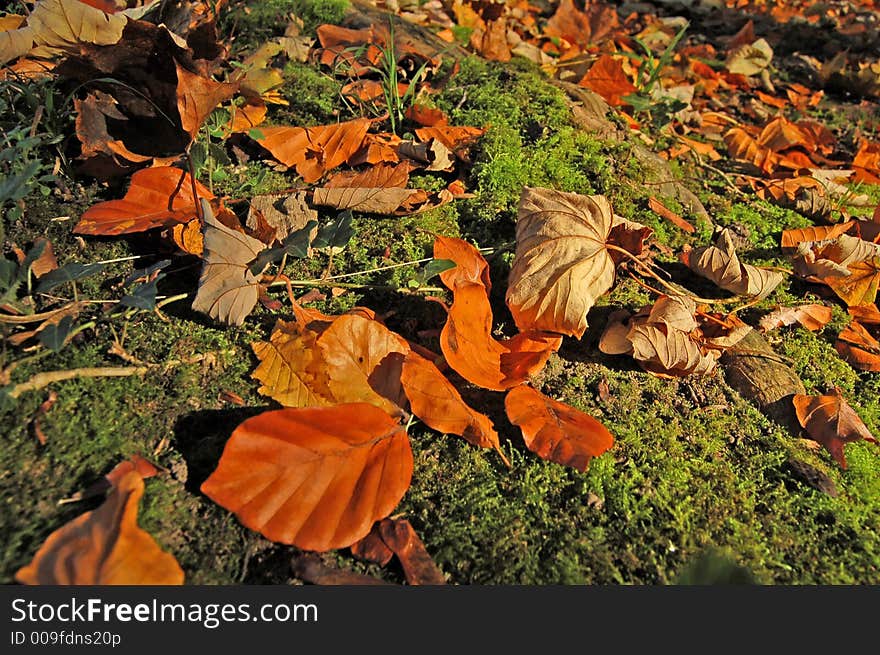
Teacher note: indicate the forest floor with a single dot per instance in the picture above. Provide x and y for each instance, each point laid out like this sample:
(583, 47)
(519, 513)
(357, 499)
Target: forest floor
(700, 484)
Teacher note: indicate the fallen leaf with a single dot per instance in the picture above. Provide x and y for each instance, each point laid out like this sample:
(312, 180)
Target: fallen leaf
(156, 197)
(849, 265)
(865, 314)
(750, 59)
(458, 138)
(292, 367)
(197, 97)
(104, 547)
(228, 290)
(363, 360)
(831, 421)
(720, 264)
(792, 238)
(812, 317)
(188, 237)
(470, 265)
(803, 194)
(661, 210)
(867, 162)
(315, 150)
(308, 567)
(555, 431)
(607, 78)
(402, 540)
(561, 265)
(435, 401)
(859, 347)
(283, 213)
(584, 28)
(316, 477)
(372, 548)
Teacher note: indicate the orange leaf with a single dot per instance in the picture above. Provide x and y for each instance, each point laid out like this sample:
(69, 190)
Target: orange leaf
(456, 138)
(188, 237)
(438, 404)
(470, 265)
(248, 116)
(867, 162)
(791, 238)
(156, 197)
(418, 567)
(316, 477)
(865, 314)
(104, 547)
(315, 150)
(606, 77)
(661, 210)
(831, 421)
(812, 317)
(859, 347)
(555, 431)
(197, 97)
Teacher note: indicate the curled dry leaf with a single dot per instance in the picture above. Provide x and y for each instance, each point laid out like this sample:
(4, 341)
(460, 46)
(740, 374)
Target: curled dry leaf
(282, 214)
(849, 265)
(812, 317)
(803, 194)
(466, 338)
(435, 401)
(859, 347)
(104, 547)
(315, 150)
(750, 59)
(402, 540)
(316, 477)
(831, 421)
(791, 239)
(555, 431)
(561, 264)
(156, 197)
(720, 264)
(228, 290)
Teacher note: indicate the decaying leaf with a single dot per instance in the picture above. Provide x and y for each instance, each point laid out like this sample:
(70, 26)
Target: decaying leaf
(791, 239)
(156, 197)
(750, 59)
(803, 194)
(283, 214)
(831, 421)
(561, 264)
(435, 401)
(228, 290)
(316, 477)
(402, 540)
(556, 431)
(859, 347)
(812, 317)
(847, 264)
(607, 78)
(197, 97)
(720, 264)
(104, 547)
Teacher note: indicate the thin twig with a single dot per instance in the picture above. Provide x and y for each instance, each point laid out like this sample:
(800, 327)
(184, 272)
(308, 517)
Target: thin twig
(42, 380)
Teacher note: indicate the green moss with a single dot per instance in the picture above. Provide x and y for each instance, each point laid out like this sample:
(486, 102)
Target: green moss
(763, 222)
(314, 97)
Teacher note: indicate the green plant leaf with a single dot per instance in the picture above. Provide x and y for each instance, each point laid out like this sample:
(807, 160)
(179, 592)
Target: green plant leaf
(336, 234)
(67, 273)
(54, 336)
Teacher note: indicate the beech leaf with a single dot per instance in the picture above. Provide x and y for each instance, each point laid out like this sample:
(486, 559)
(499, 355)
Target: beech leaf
(555, 431)
(831, 421)
(316, 477)
(859, 347)
(812, 317)
(104, 547)
(561, 265)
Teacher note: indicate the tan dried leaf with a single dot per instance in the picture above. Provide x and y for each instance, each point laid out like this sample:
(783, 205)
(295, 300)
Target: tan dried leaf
(720, 264)
(562, 265)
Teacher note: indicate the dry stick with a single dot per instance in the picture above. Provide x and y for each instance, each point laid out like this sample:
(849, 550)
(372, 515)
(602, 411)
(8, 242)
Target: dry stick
(192, 180)
(35, 318)
(41, 380)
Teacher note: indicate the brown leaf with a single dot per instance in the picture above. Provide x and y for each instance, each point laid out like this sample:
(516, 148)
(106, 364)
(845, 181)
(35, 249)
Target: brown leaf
(831, 421)
(606, 77)
(45, 262)
(247, 117)
(792, 238)
(812, 317)
(372, 548)
(561, 265)
(803, 194)
(858, 346)
(316, 478)
(156, 197)
(661, 210)
(228, 291)
(435, 401)
(95, 139)
(865, 314)
(867, 162)
(104, 547)
(720, 264)
(555, 431)
(457, 138)
(849, 265)
(584, 28)
(197, 97)
(750, 59)
(308, 567)
(418, 567)
(315, 150)
(283, 214)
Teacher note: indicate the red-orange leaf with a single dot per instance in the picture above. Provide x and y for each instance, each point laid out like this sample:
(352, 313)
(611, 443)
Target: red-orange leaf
(315, 150)
(316, 477)
(418, 567)
(606, 77)
(436, 402)
(104, 547)
(156, 197)
(555, 431)
(197, 97)
(859, 347)
(831, 421)
(470, 265)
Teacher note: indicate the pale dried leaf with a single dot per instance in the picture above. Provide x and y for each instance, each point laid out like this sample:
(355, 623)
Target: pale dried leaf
(720, 264)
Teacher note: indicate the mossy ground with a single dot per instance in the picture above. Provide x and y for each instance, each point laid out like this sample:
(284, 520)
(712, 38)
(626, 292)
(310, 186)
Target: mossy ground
(697, 476)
